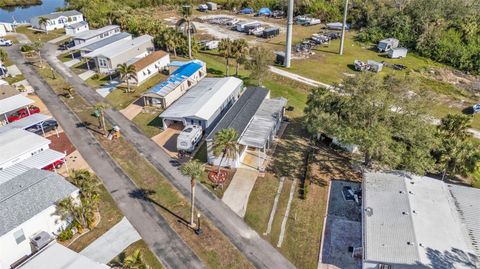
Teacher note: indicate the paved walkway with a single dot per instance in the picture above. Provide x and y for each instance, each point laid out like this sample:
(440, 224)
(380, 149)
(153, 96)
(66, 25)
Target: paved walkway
(164, 242)
(58, 39)
(237, 194)
(132, 110)
(13, 70)
(258, 251)
(87, 74)
(107, 88)
(298, 78)
(112, 243)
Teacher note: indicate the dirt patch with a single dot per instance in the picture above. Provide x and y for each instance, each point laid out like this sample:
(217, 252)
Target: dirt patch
(458, 78)
(61, 143)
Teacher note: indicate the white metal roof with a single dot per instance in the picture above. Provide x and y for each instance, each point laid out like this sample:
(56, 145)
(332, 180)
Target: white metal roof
(260, 128)
(42, 159)
(13, 103)
(119, 47)
(26, 122)
(85, 35)
(203, 99)
(413, 220)
(56, 256)
(16, 142)
(11, 172)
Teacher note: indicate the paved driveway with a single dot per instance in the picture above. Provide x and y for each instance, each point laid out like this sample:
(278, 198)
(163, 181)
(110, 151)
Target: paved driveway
(112, 243)
(237, 194)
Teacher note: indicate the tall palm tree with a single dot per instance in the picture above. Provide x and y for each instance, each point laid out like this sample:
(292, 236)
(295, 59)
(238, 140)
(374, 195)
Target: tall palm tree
(225, 48)
(127, 72)
(240, 52)
(43, 21)
(134, 261)
(87, 183)
(225, 144)
(194, 169)
(100, 107)
(186, 24)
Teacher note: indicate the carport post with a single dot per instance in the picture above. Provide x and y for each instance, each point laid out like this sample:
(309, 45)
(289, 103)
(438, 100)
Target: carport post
(28, 110)
(56, 131)
(65, 161)
(43, 130)
(258, 158)
(6, 118)
(88, 65)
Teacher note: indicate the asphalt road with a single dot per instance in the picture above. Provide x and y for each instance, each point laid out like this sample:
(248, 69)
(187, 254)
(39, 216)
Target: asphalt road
(258, 251)
(167, 245)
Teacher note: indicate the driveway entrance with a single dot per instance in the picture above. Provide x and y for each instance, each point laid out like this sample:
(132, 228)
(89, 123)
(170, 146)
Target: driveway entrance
(167, 139)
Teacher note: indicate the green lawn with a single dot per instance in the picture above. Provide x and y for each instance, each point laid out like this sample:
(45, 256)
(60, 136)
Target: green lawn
(11, 80)
(39, 36)
(147, 256)
(66, 57)
(149, 123)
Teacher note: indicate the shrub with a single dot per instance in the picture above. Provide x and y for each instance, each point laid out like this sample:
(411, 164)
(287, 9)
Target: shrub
(66, 234)
(26, 48)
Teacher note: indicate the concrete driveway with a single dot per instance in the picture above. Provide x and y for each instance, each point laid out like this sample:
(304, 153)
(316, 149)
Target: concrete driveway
(237, 194)
(167, 139)
(132, 110)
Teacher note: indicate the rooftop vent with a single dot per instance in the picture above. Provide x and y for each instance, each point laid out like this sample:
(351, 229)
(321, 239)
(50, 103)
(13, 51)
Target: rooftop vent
(404, 213)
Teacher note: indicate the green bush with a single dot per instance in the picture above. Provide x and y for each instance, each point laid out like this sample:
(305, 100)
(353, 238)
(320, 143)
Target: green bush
(66, 234)
(26, 48)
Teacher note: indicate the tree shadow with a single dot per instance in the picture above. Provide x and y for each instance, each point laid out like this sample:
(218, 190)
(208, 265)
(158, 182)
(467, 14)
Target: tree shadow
(468, 110)
(215, 72)
(88, 125)
(144, 195)
(452, 259)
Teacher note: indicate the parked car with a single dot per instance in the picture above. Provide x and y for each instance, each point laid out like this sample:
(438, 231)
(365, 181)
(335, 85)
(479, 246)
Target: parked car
(476, 108)
(55, 165)
(5, 42)
(22, 113)
(48, 126)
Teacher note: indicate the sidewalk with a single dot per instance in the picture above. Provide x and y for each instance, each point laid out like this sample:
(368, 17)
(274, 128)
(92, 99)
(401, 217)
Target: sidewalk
(112, 243)
(237, 194)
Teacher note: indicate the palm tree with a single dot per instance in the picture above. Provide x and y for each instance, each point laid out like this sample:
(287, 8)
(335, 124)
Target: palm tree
(225, 48)
(225, 144)
(134, 261)
(100, 107)
(3, 56)
(43, 21)
(194, 169)
(186, 24)
(87, 183)
(69, 91)
(239, 51)
(127, 72)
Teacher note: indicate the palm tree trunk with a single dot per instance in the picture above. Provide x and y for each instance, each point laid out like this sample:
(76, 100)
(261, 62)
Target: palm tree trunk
(102, 114)
(236, 68)
(220, 163)
(128, 85)
(189, 41)
(226, 67)
(175, 51)
(192, 193)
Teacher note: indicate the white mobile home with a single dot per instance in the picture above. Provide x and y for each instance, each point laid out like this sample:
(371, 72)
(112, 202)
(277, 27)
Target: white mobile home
(76, 28)
(17, 145)
(88, 47)
(204, 104)
(150, 65)
(96, 34)
(57, 20)
(27, 206)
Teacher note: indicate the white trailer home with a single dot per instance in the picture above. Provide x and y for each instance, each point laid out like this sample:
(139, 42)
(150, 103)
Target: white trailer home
(57, 20)
(397, 53)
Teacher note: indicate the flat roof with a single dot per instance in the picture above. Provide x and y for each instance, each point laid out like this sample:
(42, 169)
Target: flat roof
(13, 103)
(149, 59)
(105, 42)
(77, 24)
(260, 128)
(240, 114)
(413, 220)
(92, 33)
(203, 99)
(17, 142)
(28, 194)
(56, 256)
(178, 76)
(43, 159)
(25, 123)
(120, 47)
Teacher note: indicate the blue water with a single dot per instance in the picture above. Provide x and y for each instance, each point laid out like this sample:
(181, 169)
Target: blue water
(22, 14)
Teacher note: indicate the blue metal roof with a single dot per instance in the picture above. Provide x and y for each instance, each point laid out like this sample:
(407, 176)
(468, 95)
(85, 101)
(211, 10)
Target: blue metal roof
(178, 77)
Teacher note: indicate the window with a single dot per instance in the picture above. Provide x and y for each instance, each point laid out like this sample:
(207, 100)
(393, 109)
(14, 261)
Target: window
(19, 236)
(384, 266)
(103, 63)
(74, 18)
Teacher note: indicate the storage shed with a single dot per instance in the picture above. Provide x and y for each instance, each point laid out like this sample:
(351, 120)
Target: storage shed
(212, 6)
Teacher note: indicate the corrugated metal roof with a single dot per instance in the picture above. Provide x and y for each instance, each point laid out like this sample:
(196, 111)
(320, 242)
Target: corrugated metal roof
(28, 194)
(77, 24)
(178, 76)
(11, 172)
(412, 220)
(43, 159)
(16, 142)
(56, 15)
(203, 99)
(240, 114)
(263, 123)
(26, 122)
(120, 47)
(13, 103)
(106, 41)
(95, 32)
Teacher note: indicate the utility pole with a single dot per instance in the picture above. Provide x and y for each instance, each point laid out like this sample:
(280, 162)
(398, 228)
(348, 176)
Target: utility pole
(288, 48)
(344, 26)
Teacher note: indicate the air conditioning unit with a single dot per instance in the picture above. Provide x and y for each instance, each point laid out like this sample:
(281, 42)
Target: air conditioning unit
(40, 240)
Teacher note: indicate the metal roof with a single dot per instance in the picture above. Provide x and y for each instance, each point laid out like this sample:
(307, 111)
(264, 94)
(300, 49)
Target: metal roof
(26, 122)
(77, 24)
(11, 172)
(95, 32)
(120, 47)
(260, 128)
(178, 76)
(17, 142)
(43, 159)
(56, 256)
(28, 194)
(56, 15)
(203, 99)
(412, 220)
(105, 41)
(13, 103)
(240, 114)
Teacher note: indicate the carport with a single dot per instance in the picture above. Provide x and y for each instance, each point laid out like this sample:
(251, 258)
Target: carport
(27, 122)
(44, 158)
(14, 103)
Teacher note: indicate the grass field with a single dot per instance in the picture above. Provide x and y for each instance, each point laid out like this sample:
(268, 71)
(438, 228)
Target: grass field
(149, 123)
(39, 36)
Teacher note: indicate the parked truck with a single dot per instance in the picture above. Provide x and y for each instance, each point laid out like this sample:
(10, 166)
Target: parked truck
(387, 44)
(397, 53)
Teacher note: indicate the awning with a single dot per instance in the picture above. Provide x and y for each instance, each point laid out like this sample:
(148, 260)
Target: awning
(43, 158)
(26, 122)
(13, 103)
(11, 172)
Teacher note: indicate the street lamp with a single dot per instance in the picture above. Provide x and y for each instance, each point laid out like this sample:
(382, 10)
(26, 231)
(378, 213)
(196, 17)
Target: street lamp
(198, 231)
